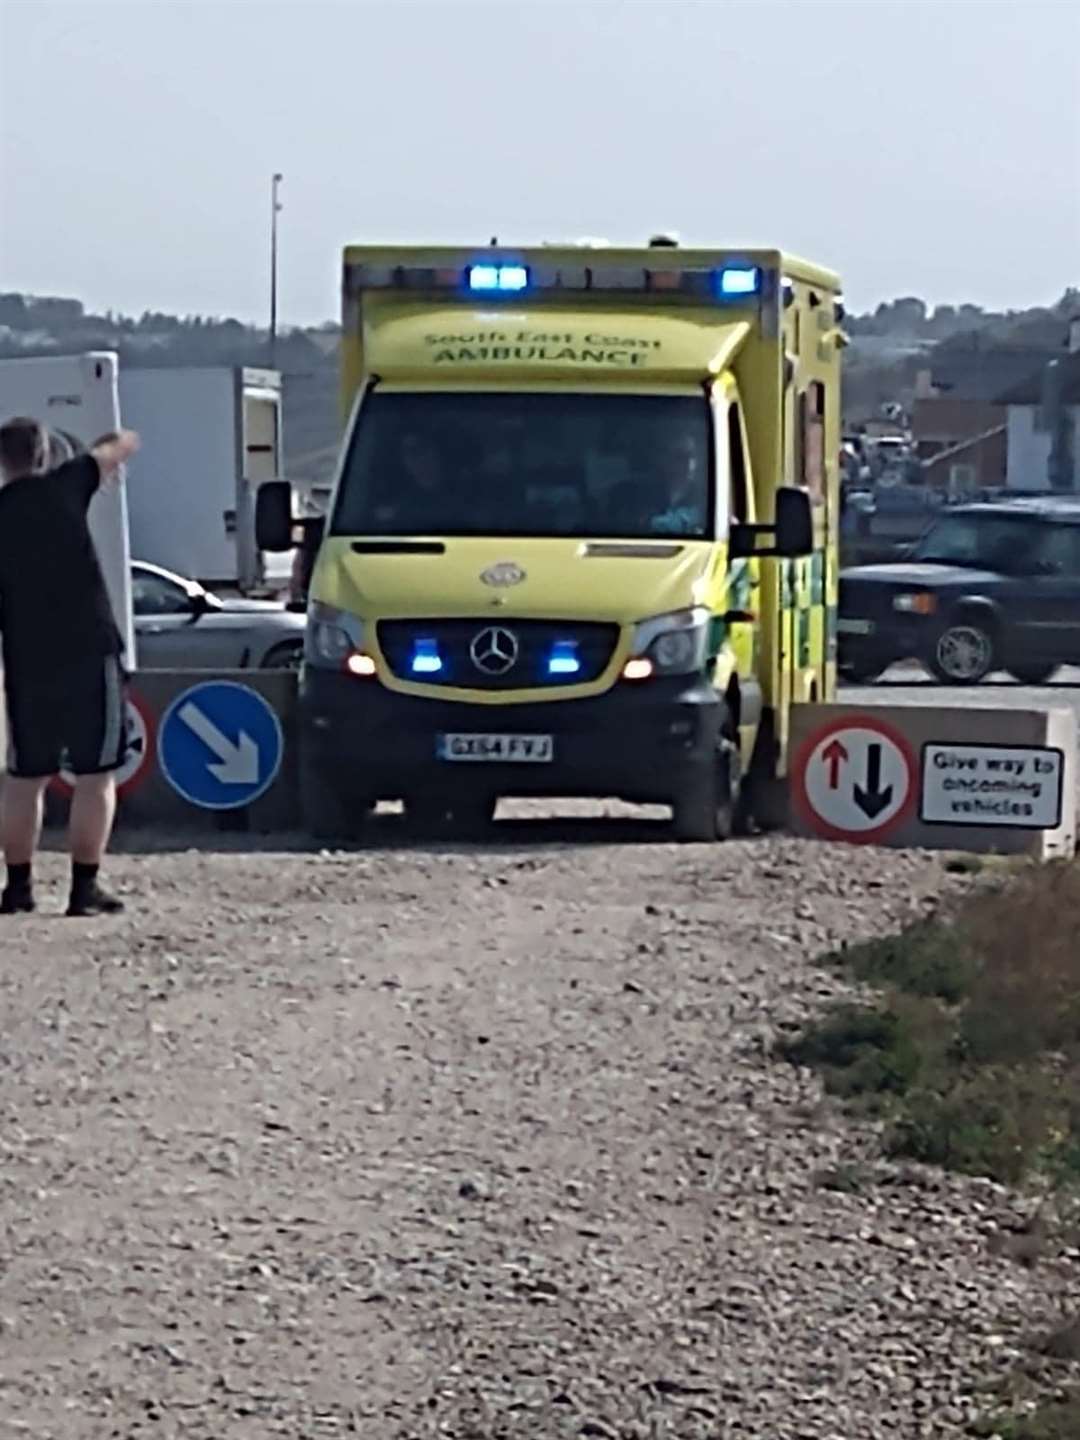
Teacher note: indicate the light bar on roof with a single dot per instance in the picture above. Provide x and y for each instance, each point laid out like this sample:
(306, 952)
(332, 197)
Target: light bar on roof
(736, 280)
(504, 279)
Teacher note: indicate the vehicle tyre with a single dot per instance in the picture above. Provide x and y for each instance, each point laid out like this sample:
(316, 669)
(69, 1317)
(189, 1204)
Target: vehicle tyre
(284, 657)
(964, 652)
(1033, 674)
(326, 809)
(860, 672)
(762, 799)
(708, 808)
(448, 816)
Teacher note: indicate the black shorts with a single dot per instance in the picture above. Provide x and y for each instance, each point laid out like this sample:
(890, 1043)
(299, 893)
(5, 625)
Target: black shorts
(72, 718)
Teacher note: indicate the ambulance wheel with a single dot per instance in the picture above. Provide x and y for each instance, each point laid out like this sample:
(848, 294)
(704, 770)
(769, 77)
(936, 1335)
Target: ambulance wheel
(708, 808)
(1033, 673)
(863, 672)
(445, 816)
(326, 810)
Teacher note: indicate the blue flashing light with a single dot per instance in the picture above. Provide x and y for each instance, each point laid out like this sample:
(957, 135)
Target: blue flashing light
(506, 279)
(426, 659)
(735, 280)
(563, 659)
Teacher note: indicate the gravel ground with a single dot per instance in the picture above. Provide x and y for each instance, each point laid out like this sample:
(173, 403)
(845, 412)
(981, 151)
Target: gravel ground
(473, 1143)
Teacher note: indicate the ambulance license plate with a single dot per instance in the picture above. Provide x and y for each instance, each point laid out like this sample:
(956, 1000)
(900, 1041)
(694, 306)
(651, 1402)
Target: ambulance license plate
(501, 749)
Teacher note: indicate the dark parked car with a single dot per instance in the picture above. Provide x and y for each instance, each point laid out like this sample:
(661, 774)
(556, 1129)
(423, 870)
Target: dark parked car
(987, 587)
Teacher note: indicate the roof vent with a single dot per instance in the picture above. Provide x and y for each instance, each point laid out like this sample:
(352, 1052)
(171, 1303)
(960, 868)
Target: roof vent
(666, 240)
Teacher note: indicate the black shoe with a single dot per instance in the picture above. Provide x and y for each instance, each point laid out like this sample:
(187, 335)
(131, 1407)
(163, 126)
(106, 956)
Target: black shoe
(17, 901)
(93, 900)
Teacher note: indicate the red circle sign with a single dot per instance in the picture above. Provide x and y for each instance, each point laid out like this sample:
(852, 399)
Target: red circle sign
(139, 731)
(855, 779)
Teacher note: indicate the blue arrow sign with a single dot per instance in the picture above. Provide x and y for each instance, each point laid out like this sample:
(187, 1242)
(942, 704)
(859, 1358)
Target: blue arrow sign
(220, 745)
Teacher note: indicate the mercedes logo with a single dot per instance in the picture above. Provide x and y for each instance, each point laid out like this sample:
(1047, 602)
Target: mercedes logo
(494, 650)
(506, 572)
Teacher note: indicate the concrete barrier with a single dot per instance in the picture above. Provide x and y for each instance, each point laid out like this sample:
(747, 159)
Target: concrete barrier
(989, 780)
(229, 763)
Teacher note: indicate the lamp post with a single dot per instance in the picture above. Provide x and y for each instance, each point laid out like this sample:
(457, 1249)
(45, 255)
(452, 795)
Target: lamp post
(275, 209)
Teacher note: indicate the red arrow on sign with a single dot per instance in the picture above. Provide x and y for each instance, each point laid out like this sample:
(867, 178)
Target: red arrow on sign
(834, 756)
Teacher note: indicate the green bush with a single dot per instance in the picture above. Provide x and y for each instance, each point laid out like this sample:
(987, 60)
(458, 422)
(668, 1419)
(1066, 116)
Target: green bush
(861, 1050)
(930, 959)
(972, 1047)
(1057, 1420)
(996, 1123)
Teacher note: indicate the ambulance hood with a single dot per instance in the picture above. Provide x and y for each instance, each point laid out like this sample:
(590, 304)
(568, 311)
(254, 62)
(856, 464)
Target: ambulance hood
(557, 579)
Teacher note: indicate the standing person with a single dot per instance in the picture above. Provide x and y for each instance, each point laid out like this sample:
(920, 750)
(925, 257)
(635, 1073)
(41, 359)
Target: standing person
(62, 654)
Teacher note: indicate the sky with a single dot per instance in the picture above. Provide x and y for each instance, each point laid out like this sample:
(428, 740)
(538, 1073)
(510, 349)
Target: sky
(927, 147)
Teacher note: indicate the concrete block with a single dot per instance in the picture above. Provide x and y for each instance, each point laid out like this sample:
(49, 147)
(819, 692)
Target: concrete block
(992, 780)
(147, 797)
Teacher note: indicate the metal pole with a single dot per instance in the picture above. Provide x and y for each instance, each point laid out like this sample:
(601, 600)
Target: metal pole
(275, 208)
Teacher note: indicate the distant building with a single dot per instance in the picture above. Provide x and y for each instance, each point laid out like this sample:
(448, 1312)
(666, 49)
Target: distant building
(959, 420)
(1044, 425)
(976, 463)
(940, 423)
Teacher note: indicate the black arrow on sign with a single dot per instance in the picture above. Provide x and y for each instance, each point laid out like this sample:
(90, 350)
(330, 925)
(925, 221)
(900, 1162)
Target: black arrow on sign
(873, 800)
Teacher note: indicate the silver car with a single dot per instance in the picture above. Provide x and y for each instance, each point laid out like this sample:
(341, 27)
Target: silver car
(181, 626)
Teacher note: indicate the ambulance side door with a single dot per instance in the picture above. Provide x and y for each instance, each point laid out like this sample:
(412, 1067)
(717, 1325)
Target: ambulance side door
(735, 505)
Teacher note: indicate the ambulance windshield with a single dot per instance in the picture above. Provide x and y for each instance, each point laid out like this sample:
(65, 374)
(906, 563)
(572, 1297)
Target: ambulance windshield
(524, 464)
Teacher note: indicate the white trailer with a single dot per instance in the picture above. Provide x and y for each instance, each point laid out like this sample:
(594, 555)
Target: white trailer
(75, 397)
(210, 436)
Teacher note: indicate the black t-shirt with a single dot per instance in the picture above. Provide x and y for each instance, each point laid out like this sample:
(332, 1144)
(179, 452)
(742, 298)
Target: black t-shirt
(54, 607)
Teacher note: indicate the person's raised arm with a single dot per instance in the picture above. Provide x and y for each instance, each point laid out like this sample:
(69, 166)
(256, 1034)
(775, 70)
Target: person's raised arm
(111, 451)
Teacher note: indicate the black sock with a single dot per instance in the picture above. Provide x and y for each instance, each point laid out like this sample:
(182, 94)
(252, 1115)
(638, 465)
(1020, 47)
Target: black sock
(83, 877)
(19, 878)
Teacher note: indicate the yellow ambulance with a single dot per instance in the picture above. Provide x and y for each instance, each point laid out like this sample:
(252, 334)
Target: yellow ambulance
(583, 534)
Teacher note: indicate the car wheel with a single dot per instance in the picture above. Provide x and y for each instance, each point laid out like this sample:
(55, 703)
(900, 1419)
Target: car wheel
(284, 657)
(964, 652)
(1033, 674)
(708, 808)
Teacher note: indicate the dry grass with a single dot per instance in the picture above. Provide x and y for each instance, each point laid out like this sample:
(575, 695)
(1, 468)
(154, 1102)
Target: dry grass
(972, 1048)
(971, 1052)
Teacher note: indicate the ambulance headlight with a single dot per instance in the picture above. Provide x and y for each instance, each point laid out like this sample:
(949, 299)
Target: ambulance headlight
(331, 636)
(677, 643)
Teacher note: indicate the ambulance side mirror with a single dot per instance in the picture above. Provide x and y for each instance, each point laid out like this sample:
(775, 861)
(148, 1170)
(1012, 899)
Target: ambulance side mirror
(788, 538)
(794, 523)
(273, 517)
